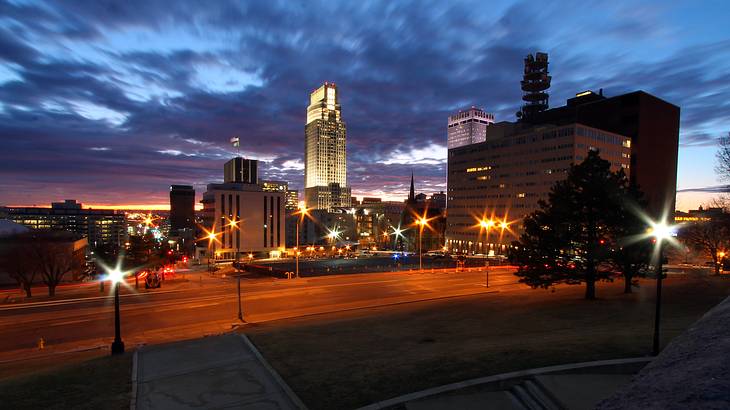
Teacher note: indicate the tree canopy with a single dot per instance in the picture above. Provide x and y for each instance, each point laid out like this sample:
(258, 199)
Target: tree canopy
(574, 235)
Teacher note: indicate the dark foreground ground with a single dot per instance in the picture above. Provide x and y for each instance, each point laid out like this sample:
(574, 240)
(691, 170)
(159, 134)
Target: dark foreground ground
(345, 360)
(348, 360)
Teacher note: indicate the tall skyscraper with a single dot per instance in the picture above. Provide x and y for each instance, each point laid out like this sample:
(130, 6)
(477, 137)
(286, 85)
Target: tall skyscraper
(241, 170)
(182, 208)
(325, 157)
(468, 127)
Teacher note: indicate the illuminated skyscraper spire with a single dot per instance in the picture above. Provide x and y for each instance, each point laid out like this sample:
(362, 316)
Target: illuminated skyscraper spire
(325, 156)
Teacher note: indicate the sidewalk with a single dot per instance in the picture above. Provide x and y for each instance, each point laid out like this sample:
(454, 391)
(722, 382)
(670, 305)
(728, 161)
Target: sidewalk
(214, 372)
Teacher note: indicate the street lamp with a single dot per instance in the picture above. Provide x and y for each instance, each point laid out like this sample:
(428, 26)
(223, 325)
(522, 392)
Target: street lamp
(661, 232)
(422, 222)
(302, 212)
(116, 276)
(397, 233)
(211, 236)
(234, 224)
(486, 224)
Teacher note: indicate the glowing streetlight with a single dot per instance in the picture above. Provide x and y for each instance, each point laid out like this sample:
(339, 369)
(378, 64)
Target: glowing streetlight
(302, 212)
(234, 224)
(661, 232)
(116, 276)
(211, 236)
(422, 222)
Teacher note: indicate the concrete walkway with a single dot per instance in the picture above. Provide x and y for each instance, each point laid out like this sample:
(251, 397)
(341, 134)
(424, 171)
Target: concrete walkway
(214, 372)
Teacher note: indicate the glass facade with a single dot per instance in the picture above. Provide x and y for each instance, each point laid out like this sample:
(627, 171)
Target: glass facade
(325, 156)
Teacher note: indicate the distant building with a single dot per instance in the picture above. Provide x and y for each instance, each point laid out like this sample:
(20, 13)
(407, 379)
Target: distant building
(325, 157)
(651, 123)
(258, 216)
(503, 178)
(699, 215)
(292, 195)
(468, 127)
(62, 242)
(274, 186)
(366, 200)
(292, 200)
(241, 170)
(418, 206)
(182, 208)
(97, 225)
(438, 200)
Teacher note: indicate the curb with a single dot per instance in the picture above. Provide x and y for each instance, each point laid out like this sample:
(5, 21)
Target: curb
(497, 378)
(133, 394)
(285, 387)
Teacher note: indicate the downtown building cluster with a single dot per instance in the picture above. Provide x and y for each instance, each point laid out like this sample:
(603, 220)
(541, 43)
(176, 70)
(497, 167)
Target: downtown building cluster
(501, 177)
(245, 216)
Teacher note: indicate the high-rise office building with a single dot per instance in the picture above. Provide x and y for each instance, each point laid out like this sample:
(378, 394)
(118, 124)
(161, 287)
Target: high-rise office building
(292, 200)
(504, 178)
(182, 208)
(241, 170)
(468, 127)
(650, 122)
(325, 158)
(291, 195)
(245, 218)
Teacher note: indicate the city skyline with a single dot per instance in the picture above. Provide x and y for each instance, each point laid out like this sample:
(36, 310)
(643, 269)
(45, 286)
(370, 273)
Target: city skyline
(111, 105)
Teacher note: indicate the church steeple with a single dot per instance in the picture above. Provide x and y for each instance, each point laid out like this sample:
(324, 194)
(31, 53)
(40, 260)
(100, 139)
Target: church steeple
(412, 193)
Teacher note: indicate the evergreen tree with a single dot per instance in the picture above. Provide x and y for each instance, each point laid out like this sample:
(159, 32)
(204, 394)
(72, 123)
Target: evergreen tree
(572, 237)
(634, 248)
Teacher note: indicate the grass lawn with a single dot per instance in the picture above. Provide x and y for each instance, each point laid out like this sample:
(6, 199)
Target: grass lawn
(99, 383)
(340, 361)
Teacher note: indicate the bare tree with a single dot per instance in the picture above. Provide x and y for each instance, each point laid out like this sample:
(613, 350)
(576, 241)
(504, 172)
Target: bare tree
(722, 167)
(55, 260)
(19, 262)
(710, 237)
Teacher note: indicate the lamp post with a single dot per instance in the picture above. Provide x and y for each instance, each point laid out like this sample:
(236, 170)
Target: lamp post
(486, 224)
(660, 232)
(303, 211)
(210, 236)
(234, 224)
(116, 276)
(421, 221)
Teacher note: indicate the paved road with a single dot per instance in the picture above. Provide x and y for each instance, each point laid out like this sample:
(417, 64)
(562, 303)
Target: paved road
(197, 307)
(337, 266)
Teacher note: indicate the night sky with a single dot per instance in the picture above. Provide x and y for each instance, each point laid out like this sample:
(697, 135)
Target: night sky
(111, 102)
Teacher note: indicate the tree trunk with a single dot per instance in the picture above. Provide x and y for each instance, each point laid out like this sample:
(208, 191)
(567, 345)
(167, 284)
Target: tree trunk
(51, 290)
(590, 289)
(716, 261)
(28, 292)
(590, 281)
(627, 283)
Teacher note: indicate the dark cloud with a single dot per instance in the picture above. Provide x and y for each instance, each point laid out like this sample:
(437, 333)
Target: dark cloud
(710, 189)
(116, 100)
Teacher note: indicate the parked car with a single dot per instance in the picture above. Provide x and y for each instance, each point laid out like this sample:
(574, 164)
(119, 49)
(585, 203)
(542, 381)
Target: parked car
(436, 254)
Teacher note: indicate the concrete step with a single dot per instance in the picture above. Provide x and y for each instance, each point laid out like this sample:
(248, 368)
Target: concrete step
(543, 396)
(524, 397)
(495, 400)
(581, 391)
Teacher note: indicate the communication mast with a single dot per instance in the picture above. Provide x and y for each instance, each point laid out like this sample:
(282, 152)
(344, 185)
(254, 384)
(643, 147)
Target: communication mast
(534, 83)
